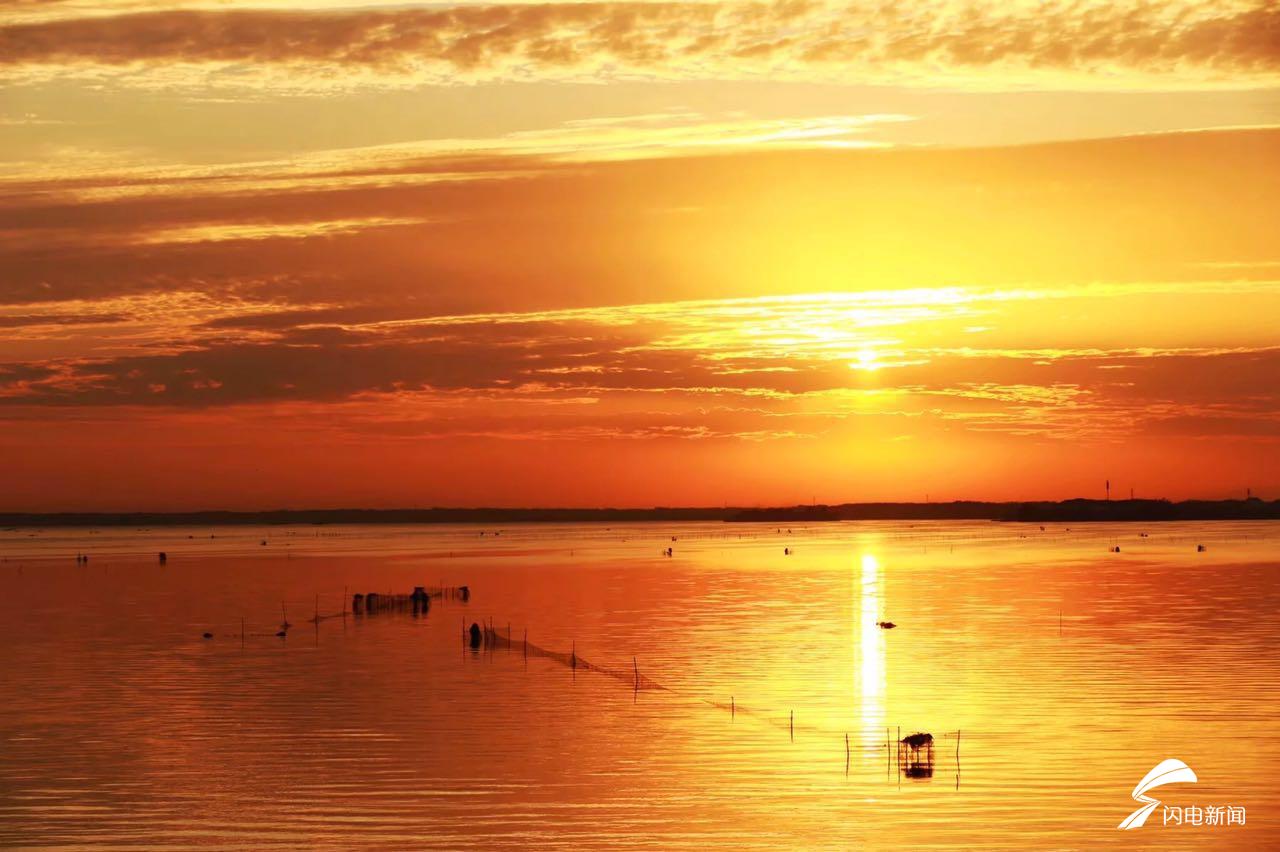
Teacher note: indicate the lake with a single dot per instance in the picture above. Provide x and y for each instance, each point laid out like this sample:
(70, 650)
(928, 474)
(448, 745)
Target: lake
(1052, 673)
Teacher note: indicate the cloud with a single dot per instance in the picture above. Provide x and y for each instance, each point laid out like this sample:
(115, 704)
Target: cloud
(986, 292)
(473, 234)
(710, 368)
(932, 43)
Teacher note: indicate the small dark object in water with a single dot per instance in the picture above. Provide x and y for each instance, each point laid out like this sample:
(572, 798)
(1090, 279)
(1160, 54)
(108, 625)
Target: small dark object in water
(917, 741)
(475, 635)
(1115, 549)
(917, 770)
(1200, 548)
(282, 633)
(886, 625)
(786, 551)
(263, 542)
(464, 593)
(421, 601)
(208, 635)
(164, 557)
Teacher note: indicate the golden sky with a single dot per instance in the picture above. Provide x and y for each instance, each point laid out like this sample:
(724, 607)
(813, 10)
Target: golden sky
(270, 254)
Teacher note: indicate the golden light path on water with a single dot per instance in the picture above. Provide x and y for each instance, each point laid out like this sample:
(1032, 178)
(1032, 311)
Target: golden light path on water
(871, 668)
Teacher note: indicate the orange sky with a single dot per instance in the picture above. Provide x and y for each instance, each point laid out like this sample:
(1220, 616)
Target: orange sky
(269, 254)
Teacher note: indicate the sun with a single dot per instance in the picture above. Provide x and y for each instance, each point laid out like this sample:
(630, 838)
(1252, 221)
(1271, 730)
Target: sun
(866, 360)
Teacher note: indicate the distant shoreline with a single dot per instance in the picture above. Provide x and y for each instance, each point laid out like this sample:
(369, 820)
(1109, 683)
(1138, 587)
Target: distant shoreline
(1071, 511)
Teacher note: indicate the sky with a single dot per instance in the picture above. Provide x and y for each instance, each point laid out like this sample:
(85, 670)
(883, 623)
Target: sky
(265, 254)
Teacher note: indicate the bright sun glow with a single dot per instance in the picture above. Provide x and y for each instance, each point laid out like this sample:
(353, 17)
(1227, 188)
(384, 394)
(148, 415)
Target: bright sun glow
(866, 360)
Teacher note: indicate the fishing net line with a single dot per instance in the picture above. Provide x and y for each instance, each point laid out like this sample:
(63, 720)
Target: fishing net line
(899, 754)
(495, 638)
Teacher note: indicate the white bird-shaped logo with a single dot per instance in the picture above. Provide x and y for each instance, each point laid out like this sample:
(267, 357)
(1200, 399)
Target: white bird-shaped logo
(1170, 771)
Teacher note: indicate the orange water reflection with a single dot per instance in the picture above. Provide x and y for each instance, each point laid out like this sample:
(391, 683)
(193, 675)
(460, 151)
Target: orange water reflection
(120, 723)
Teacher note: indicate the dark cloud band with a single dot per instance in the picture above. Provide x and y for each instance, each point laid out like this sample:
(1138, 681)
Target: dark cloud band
(868, 41)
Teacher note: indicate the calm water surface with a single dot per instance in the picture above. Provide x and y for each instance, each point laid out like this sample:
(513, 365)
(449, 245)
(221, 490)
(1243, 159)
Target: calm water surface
(1069, 671)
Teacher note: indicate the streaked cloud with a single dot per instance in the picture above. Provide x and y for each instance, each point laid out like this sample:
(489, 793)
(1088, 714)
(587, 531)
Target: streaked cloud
(941, 42)
(745, 368)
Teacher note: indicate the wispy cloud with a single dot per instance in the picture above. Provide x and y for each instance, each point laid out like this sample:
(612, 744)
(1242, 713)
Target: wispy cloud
(967, 43)
(748, 368)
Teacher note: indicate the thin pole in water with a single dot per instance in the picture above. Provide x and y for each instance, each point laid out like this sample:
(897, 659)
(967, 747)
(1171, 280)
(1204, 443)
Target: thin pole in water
(636, 668)
(846, 753)
(242, 632)
(793, 726)
(733, 709)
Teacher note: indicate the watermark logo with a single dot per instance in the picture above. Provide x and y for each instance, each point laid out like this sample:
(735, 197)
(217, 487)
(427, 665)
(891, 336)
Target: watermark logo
(1174, 771)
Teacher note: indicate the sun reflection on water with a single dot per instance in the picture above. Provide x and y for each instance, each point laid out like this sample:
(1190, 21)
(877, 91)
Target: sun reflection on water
(871, 661)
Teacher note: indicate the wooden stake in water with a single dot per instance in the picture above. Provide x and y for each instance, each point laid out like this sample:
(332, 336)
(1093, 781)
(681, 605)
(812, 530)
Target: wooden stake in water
(846, 753)
(793, 726)
(636, 668)
(733, 708)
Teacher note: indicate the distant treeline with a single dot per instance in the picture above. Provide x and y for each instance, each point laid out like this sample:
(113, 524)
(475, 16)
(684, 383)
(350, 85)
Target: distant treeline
(359, 516)
(1078, 511)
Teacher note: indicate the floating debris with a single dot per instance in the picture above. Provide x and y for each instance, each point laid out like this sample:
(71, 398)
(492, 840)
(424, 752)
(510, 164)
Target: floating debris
(208, 635)
(1200, 548)
(164, 557)
(886, 625)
